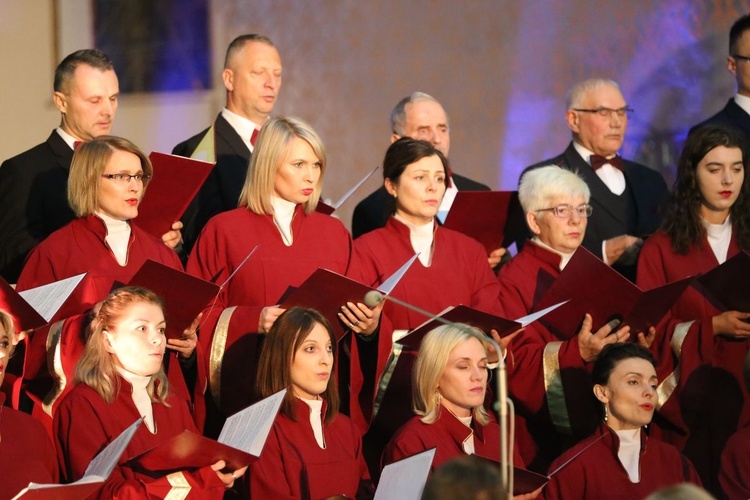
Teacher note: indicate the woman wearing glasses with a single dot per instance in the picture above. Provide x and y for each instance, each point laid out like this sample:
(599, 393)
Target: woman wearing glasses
(108, 178)
(555, 202)
(451, 270)
(708, 222)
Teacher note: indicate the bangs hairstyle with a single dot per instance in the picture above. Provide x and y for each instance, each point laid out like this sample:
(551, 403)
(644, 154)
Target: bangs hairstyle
(280, 347)
(96, 368)
(6, 321)
(538, 187)
(683, 221)
(403, 153)
(272, 149)
(89, 162)
(431, 364)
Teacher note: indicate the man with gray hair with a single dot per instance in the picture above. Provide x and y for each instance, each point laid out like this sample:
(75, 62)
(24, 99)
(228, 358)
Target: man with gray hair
(252, 77)
(626, 197)
(419, 116)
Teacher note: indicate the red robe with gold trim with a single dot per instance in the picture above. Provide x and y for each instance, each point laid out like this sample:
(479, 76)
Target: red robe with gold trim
(711, 401)
(318, 241)
(85, 424)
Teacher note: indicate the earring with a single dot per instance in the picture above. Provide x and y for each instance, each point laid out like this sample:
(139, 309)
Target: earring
(606, 413)
(438, 397)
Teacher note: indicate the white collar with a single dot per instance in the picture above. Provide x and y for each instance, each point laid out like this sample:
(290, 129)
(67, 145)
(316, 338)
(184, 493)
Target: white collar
(565, 256)
(139, 382)
(241, 125)
(743, 102)
(586, 153)
(69, 139)
(113, 225)
(717, 230)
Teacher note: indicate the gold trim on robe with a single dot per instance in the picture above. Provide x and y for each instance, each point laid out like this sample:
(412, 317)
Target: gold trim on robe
(553, 388)
(218, 346)
(180, 487)
(385, 379)
(667, 386)
(54, 366)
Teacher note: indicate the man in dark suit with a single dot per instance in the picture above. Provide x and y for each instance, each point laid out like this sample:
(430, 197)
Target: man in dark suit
(627, 197)
(252, 77)
(33, 185)
(419, 116)
(736, 114)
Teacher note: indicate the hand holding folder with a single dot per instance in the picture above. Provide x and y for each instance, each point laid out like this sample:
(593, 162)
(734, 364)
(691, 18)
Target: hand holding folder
(240, 443)
(593, 287)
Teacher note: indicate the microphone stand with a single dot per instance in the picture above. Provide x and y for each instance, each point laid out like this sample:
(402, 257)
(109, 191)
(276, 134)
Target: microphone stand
(504, 404)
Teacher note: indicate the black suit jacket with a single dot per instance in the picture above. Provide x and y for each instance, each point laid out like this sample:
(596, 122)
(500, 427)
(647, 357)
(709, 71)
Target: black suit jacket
(649, 193)
(33, 201)
(732, 116)
(373, 212)
(222, 189)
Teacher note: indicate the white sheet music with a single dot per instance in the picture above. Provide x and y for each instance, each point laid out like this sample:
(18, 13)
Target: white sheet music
(98, 470)
(389, 284)
(527, 320)
(353, 189)
(247, 430)
(47, 299)
(105, 461)
(406, 478)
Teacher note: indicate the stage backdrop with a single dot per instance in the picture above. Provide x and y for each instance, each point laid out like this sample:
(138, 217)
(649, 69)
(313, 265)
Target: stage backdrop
(500, 68)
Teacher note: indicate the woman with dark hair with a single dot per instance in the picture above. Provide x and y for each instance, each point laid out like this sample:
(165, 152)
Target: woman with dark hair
(708, 222)
(107, 181)
(26, 452)
(451, 270)
(119, 380)
(312, 451)
(276, 216)
(620, 460)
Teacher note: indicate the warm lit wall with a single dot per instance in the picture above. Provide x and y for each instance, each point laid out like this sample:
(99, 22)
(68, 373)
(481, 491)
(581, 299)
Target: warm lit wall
(500, 67)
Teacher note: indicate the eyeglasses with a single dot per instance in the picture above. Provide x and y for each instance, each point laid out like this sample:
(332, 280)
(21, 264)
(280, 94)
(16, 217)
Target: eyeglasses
(126, 178)
(741, 58)
(608, 112)
(566, 211)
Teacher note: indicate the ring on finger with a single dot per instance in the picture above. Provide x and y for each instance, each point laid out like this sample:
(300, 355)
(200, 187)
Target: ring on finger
(351, 325)
(355, 323)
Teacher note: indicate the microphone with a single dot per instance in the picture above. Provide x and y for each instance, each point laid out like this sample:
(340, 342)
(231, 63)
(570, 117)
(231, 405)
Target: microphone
(373, 298)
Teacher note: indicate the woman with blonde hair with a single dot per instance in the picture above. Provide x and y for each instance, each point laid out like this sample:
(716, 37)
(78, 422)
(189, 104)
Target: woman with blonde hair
(312, 451)
(276, 221)
(119, 380)
(449, 388)
(107, 181)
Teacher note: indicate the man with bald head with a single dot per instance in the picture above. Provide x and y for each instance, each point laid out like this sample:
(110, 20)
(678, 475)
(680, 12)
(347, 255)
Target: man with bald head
(252, 77)
(627, 197)
(419, 116)
(33, 185)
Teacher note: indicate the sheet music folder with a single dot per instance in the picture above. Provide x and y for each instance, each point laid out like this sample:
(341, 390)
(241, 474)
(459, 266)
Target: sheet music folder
(595, 288)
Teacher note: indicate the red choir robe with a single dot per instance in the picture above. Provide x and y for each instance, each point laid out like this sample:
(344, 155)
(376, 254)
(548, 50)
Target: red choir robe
(80, 247)
(556, 414)
(85, 424)
(710, 366)
(458, 274)
(293, 465)
(447, 435)
(598, 473)
(734, 475)
(548, 380)
(318, 241)
(26, 452)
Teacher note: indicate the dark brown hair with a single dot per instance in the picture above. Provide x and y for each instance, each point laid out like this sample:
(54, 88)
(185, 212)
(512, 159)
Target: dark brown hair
(279, 349)
(683, 221)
